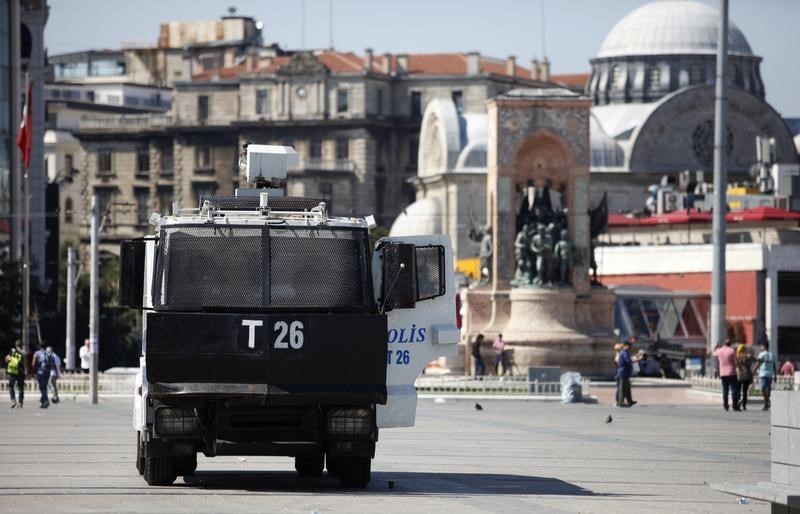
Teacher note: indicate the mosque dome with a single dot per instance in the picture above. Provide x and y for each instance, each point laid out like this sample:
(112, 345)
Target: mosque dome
(420, 218)
(671, 27)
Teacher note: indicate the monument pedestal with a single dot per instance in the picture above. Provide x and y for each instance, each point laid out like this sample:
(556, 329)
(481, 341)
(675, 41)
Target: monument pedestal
(549, 326)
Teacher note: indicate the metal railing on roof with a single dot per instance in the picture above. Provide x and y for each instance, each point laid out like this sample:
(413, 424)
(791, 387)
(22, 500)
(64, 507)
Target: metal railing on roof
(126, 122)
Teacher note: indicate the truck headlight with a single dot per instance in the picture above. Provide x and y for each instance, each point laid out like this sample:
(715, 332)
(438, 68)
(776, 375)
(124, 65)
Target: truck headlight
(349, 421)
(172, 421)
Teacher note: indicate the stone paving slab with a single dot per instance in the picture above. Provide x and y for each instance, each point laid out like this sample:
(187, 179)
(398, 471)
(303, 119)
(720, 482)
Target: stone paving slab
(513, 456)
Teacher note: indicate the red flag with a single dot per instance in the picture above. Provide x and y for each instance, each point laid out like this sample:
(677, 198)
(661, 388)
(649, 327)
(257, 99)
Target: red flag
(24, 136)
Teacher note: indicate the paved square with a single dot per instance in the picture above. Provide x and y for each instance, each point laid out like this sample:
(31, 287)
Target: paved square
(513, 456)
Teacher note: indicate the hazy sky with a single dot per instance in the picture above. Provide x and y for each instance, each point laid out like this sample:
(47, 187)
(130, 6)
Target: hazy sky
(574, 29)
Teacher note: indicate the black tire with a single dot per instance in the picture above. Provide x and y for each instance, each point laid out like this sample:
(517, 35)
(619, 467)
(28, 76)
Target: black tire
(185, 465)
(159, 470)
(310, 466)
(139, 454)
(354, 471)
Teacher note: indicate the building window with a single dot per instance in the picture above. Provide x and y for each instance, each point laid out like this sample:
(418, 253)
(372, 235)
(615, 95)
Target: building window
(315, 149)
(696, 74)
(105, 198)
(203, 157)
(379, 102)
(342, 149)
(413, 152)
(142, 205)
(616, 77)
(90, 96)
(326, 193)
(654, 73)
(341, 100)
(262, 102)
(202, 108)
(204, 189)
(788, 287)
(416, 104)
(379, 166)
(104, 162)
(166, 160)
(68, 209)
(68, 165)
(165, 198)
(142, 161)
(458, 100)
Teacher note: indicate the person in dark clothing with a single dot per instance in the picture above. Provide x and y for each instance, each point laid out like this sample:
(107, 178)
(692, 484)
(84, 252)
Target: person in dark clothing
(624, 372)
(43, 366)
(480, 367)
(744, 373)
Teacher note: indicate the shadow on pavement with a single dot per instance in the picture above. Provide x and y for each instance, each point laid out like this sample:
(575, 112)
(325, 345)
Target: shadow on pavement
(404, 482)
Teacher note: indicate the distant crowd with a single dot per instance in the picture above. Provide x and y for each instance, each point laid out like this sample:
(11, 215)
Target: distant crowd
(45, 365)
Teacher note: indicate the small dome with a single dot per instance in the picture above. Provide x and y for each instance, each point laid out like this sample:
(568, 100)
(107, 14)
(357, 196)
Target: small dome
(671, 27)
(418, 219)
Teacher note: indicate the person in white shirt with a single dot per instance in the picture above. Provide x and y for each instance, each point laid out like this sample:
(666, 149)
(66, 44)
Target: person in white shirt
(86, 356)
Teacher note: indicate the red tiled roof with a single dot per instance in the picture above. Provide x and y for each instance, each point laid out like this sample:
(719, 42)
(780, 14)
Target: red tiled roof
(758, 214)
(573, 80)
(349, 62)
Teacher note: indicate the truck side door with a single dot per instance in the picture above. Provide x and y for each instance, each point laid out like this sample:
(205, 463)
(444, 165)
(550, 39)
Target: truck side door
(420, 334)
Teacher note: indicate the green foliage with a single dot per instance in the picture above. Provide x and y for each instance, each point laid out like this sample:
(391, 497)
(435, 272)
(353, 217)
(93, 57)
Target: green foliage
(120, 327)
(375, 234)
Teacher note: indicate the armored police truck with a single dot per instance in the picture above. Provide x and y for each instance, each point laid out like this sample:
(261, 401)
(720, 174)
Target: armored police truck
(273, 328)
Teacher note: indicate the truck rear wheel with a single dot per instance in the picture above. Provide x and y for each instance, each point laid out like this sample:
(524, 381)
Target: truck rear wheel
(185, 465)
(353, 471)
(310, 466)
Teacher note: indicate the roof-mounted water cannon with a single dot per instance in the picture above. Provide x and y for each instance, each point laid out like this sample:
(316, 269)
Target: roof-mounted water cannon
(266, 165)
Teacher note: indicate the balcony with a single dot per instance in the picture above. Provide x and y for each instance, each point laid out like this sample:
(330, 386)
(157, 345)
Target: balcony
(315, 165)
(126, 123)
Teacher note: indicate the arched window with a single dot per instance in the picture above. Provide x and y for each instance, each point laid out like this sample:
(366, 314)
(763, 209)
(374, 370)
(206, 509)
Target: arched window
(654, 74)
(616, 77)
(68, 210)
(696, 74)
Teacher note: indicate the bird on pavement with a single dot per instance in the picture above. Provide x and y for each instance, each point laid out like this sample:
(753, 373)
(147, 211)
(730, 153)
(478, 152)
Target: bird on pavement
(478, 406)
(609, 419)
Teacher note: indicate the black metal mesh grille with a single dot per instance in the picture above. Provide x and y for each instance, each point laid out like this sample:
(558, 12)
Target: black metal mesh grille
(430, 265)
(208, 266)
(317, 268)
(257, 268)
(250, 203)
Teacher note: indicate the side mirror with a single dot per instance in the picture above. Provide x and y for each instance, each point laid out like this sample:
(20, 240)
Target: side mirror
(131, 273)
(399, 284)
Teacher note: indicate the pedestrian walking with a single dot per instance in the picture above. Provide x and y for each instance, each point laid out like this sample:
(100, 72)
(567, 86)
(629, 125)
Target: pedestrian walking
(726, 356)
(499, 355)
(85, 354)
(744, 373)
(617, 350)
(43, 365)
(16, 369)
(480, 367)
(624, 372)
(787, 369)
(55, 373)
(766, 373)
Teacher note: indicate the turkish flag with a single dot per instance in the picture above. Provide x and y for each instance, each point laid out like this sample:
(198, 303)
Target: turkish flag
(25, 130)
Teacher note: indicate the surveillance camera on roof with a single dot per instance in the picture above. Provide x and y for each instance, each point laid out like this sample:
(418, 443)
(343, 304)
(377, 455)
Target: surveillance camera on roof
(267, 162)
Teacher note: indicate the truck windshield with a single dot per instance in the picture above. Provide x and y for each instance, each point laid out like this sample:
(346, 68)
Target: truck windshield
(246, 267)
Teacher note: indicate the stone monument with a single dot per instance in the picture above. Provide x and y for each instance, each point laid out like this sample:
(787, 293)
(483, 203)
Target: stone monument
(538, 293)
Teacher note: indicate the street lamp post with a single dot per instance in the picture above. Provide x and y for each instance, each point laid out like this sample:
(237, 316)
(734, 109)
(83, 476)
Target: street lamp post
(94, 340)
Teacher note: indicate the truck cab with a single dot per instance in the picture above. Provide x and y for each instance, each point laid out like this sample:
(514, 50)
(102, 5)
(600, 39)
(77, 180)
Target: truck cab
(272, 328)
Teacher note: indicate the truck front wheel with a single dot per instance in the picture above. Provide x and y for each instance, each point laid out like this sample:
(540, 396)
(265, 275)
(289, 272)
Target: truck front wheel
(353, 471)
(158, 470)
(139, 453)
(310, 466)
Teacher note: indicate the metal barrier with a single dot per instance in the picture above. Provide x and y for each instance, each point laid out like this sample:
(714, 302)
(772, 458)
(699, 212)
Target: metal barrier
(715, 384)
(78, 383)
(517, 385)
